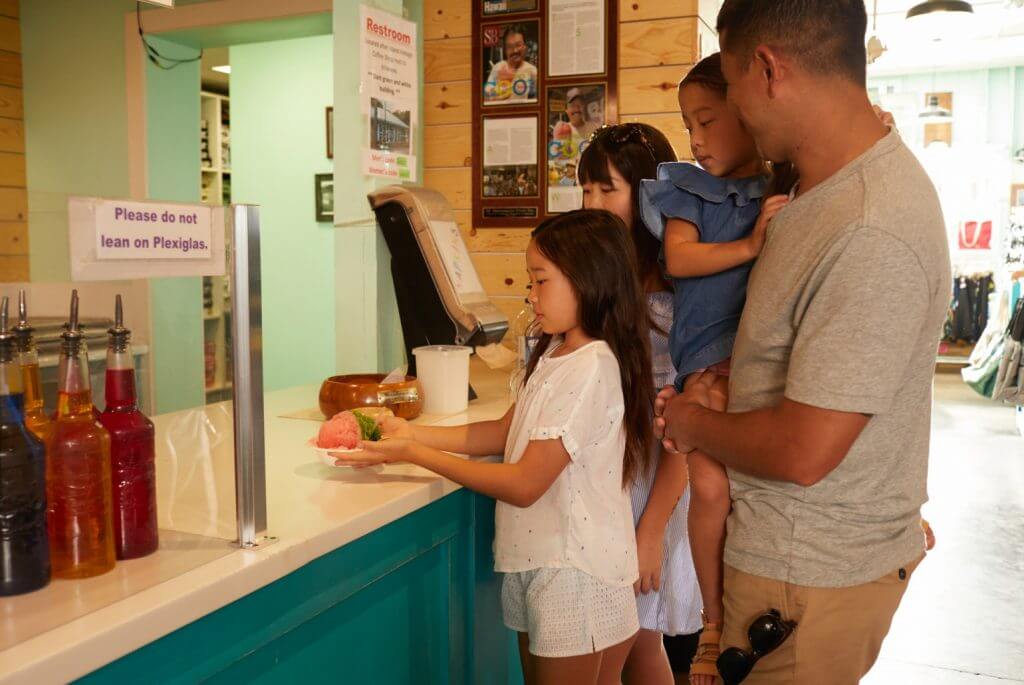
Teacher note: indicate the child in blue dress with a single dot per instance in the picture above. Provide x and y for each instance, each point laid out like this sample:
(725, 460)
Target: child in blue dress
(712, 221)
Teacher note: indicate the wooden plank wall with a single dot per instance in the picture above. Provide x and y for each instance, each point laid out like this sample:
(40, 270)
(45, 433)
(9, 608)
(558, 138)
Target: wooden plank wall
(13, 198)
(658, 39)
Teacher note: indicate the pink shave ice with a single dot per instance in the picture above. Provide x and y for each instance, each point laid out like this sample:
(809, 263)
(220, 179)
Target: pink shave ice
(340, 432)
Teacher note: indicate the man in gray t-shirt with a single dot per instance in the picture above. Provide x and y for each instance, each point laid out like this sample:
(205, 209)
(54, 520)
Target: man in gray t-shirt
(826, 439)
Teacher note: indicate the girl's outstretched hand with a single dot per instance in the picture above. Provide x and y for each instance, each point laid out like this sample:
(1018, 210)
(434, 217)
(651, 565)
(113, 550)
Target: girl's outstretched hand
(394, 427)
(769, 209)
(367, 453)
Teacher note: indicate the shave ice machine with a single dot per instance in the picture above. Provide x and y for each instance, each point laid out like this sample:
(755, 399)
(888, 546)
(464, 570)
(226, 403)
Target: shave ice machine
(440, 298)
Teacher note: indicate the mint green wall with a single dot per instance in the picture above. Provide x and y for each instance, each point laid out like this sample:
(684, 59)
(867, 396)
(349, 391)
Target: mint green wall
(76, 143)
(172, 127)
(375, 339)
(279, 93)
(75, 118)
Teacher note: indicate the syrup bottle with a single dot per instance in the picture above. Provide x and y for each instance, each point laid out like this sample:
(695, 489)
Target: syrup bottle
(35, 417)
(24, 549)
(132, 449)
(81, 518)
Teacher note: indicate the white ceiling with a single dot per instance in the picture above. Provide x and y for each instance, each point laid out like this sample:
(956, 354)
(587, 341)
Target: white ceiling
(993, 37)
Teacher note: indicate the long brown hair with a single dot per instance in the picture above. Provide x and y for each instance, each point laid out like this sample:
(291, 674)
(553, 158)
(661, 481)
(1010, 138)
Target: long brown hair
(591, 247)
(635, 151)
(708, 73)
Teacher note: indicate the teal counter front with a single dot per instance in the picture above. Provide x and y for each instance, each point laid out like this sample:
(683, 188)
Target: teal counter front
(414, 602)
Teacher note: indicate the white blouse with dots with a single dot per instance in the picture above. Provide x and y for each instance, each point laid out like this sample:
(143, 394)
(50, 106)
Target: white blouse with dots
(585, 519)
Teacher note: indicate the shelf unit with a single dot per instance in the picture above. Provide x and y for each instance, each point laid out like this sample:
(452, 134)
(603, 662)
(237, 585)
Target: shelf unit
(215, 189)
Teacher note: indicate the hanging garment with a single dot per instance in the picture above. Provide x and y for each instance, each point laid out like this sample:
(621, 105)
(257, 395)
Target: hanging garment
(983, 366)
(968, 308)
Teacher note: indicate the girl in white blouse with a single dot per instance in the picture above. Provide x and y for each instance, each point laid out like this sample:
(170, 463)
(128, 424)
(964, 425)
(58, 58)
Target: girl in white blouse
(577, 435)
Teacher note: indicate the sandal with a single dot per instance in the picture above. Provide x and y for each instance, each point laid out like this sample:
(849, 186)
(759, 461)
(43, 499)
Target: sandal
(705, 661)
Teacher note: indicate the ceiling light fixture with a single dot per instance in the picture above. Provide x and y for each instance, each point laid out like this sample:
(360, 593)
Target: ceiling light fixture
(224, 68)
(939, 19)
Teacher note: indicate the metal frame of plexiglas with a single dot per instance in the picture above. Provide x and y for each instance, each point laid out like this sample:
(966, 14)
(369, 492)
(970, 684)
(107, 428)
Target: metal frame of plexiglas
(247, 350)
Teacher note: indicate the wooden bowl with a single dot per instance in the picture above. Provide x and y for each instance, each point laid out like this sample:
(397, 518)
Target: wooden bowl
(338, 393)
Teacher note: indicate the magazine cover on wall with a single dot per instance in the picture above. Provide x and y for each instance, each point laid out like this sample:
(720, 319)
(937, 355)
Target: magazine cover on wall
(495, 7)
(510, 158)
(574, 113)
(510, 53)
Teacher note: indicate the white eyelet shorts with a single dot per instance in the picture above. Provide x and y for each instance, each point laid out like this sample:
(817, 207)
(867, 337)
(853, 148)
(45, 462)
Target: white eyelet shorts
(567, 612)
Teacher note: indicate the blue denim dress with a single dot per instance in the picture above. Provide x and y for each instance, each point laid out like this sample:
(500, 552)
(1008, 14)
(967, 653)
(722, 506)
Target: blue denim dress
(706, 310)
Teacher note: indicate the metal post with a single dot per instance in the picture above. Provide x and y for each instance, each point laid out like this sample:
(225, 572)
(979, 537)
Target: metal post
(247, 351)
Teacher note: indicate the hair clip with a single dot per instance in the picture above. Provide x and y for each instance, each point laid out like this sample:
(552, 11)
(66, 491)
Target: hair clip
(620, 134)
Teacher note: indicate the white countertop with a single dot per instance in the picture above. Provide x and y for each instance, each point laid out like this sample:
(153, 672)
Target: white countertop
(71, 628)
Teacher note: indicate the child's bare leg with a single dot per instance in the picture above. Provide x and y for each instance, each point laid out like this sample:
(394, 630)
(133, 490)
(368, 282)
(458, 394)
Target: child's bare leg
(526, 659)
(582, 669)
(709, 509)
(613, 659)
(647, 662)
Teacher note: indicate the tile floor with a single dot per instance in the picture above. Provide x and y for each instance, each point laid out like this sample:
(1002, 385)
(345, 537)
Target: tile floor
(962, 619)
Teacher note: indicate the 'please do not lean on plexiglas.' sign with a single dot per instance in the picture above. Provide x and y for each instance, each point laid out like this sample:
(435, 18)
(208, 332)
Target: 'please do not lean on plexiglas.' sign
(118, 239)
(135, 230)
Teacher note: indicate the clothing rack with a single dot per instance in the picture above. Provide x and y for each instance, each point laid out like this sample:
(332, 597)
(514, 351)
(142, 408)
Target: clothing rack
(967, 316)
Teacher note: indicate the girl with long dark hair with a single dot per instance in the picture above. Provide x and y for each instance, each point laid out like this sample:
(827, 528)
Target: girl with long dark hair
(580, 431)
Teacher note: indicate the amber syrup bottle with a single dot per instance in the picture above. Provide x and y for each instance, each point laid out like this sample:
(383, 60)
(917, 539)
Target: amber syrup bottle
(24, 548)
(132, 449)
(81, 518)
(36, 418)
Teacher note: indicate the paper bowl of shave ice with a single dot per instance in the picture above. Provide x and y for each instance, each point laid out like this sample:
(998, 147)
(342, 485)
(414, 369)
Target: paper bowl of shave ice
(343, 433)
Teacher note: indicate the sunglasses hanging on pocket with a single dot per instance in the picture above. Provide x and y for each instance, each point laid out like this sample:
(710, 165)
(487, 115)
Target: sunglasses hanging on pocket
(767, 632)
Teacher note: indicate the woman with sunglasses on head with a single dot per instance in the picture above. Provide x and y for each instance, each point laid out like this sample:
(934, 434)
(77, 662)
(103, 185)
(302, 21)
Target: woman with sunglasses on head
(611, 169)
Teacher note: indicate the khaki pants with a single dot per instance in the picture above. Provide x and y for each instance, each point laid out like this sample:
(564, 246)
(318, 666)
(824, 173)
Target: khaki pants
(839, 630)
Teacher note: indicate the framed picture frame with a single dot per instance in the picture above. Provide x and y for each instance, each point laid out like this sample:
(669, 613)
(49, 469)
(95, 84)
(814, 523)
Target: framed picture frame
(510, 63)
(574, 113)
(584, 34)
(1017, 195)
(330, 132)
(324, 194)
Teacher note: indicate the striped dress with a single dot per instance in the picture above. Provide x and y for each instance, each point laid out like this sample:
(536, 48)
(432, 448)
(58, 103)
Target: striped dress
(675, 608)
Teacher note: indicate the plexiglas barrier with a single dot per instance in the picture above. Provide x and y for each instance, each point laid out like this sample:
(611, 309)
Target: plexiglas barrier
(206, 441)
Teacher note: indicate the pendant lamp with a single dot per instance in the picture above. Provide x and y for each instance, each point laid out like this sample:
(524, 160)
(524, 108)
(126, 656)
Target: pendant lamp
(939, 19)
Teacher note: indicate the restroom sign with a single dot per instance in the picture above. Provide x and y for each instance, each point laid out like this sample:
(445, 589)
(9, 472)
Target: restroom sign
(117, 239)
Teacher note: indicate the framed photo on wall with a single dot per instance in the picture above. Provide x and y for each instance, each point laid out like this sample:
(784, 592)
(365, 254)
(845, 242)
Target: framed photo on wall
(548, 74)
(573, 114)
(330, 133)
(510, 168)
(509, 59)
(324, 197)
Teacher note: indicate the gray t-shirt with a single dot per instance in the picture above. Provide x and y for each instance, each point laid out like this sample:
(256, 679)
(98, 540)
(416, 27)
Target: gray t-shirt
(843, 312)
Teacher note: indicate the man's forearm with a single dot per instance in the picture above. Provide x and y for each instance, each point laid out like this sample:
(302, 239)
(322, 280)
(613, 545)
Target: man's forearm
(750, 442)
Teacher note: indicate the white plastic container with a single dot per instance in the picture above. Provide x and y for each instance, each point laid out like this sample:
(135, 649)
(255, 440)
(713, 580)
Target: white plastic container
(443, 371)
